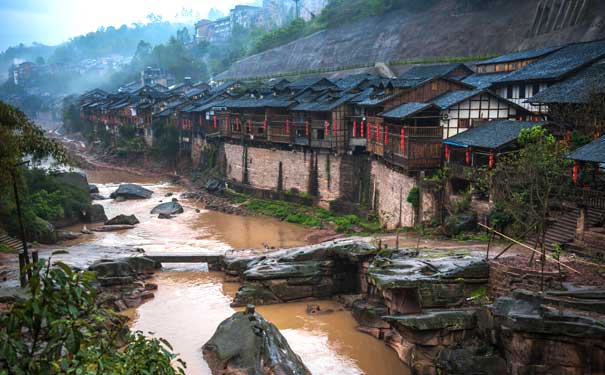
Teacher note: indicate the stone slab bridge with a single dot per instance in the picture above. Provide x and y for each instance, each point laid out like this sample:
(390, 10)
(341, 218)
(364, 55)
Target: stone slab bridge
(214, 261)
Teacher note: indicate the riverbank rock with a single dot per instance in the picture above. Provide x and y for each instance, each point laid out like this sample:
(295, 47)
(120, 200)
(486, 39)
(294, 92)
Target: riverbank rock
(93, 189)
(316, 271)
(112, 228)
(97, 197)
(67, 235)
(123, 220)
(42, 231)
(541, 336)
(168, 208)
(247, 344)
(131, 191)
(95, 214)
(121, 281)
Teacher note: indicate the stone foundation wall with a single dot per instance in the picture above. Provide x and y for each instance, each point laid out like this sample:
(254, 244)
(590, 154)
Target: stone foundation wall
(296, 166)
(390, 190)
(197, 146)
(504, 279)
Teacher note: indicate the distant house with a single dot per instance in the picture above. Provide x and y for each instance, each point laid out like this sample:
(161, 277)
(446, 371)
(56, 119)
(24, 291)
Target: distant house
(202, 30)
(152, 76)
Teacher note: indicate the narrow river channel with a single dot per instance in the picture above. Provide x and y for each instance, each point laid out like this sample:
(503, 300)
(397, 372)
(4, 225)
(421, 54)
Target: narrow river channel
(190, 301)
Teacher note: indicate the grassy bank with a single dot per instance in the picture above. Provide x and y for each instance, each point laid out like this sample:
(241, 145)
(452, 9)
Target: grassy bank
(309, 216)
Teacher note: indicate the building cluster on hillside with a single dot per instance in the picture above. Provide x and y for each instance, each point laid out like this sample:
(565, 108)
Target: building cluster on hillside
(272, 14)
(302, 135)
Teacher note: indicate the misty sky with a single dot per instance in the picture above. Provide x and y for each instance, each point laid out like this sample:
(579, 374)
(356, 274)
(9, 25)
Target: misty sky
(55, 21)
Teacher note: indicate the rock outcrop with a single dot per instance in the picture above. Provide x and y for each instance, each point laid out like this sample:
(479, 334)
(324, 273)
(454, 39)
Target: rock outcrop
(131, 191)
(122, 281)
(123, 220)
(95, 214)
(316, 271)
(247, 344)
(168, 208)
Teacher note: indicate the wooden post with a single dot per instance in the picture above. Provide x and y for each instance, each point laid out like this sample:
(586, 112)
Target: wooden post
(35, 258)
(489, 244)
(20, 217)
(22, 277)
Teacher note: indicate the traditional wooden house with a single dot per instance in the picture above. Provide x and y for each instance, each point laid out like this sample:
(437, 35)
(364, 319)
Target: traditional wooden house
(455, 71)
(410, 137)
(482, 146)
(526, 82)
(461, 110)
(578, 101)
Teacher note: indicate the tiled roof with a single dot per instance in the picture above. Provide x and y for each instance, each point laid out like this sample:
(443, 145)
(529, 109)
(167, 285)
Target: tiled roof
(576, 89)
(523, 55)
(560, 63)
(592, 152)
(431, 71)
(482, 81)
(407, 109)
(451, 98)
(491, 135)
(404, 83)
(324, 103)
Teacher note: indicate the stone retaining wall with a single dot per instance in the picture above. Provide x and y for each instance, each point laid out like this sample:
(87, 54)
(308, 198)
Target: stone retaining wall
(390, 190)
(263, 170)
(504, 279)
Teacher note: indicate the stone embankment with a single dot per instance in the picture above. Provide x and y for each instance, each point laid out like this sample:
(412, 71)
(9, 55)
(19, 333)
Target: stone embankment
(433, 307)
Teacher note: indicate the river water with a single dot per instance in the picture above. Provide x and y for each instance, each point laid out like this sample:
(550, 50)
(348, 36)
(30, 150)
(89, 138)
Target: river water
(191, 302)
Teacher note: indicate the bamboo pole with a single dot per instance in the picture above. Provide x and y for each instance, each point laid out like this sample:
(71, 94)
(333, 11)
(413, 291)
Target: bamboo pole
(525, 246)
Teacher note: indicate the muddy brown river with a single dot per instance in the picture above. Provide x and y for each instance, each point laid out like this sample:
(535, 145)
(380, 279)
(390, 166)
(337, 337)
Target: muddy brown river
(190, 302)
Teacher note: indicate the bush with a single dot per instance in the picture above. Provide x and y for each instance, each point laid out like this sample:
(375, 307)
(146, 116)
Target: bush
(62, 329)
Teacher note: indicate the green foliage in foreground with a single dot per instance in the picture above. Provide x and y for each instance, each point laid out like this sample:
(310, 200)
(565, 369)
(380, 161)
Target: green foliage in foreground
(309, 216)
(61, 329)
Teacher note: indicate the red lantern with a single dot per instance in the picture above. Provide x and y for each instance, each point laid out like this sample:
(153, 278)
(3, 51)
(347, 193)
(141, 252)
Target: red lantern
(468, 156)
(307, 128)
(265, 124)
(386, 135)
(326, 128)
(491, 158)
(369, 131)
(402, 140)
(575, 171)
(447, 152)
(354, 129)
(334, 128)
(361, 132)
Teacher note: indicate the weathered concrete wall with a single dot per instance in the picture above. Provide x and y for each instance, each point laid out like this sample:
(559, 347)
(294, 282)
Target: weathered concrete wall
(390, 189)
(263, 168)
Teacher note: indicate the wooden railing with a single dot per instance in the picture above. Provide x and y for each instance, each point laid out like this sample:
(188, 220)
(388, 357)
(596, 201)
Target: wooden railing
(593, 198)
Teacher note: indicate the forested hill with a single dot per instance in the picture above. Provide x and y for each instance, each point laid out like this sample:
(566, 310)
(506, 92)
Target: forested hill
(100, 43)
(443, 28)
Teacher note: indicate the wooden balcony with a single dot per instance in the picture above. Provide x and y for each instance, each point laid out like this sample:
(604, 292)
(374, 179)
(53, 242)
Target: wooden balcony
(593, 198)
(420, 149)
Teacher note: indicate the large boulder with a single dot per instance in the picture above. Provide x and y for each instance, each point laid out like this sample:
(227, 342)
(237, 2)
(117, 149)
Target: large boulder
(123, 220)
(215, 186)
(247, 344)
(131, 191)
(168, 208)
(40, 230)
(97, 197)
(458, 223)
(93, 189)
(95, 214)
(122, 271)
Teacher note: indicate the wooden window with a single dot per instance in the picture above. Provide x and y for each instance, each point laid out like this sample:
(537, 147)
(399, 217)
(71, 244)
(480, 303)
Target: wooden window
(464, 123)
(320, 134)
(522, 92)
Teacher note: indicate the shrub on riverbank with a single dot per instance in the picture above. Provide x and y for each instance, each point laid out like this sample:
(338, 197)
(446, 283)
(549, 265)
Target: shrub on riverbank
(310, 216)
(61, 329)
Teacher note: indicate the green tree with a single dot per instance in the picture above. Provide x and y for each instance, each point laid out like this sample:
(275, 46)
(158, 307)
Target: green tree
(61, 328)
(530, 183)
